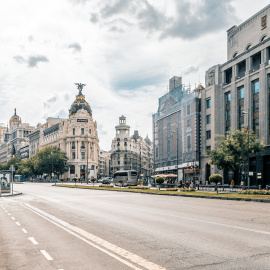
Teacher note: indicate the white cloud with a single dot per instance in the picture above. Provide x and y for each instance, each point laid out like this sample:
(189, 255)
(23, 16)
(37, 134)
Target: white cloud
(113, 48)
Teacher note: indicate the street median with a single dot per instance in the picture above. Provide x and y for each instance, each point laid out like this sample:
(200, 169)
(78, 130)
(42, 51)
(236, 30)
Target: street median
(177, 192)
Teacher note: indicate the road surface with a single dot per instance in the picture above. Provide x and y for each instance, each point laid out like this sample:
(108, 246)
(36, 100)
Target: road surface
(51, 227)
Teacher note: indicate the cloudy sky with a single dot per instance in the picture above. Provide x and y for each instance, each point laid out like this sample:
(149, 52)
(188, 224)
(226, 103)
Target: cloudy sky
(124, 50)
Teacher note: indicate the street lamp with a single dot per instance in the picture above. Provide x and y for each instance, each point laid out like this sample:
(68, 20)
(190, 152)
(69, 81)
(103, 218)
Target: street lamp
(177, 146)
(247, 171)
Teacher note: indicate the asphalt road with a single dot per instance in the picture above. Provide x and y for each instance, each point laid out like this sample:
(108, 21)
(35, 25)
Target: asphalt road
(51, 227)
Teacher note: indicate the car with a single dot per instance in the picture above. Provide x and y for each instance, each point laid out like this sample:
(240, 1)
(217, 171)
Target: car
(106, 181)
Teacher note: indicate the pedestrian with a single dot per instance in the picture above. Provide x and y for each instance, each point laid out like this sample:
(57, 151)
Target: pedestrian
(232, 184)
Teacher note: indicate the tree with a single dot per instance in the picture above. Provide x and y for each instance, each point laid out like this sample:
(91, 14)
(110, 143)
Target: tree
(216, 178)
(232, 151)
(51, 159)
(159, 181)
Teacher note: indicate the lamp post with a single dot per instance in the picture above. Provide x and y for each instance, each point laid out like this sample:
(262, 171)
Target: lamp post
(247, 171)
(177, 146)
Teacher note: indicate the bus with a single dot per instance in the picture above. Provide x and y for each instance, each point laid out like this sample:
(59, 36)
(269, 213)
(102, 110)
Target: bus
(18, 178)
(130, 177)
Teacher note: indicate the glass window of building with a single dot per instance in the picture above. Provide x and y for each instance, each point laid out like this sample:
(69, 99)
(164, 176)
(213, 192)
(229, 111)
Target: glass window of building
(83, 155)
(82, 131)
(73, 145)
(208, 119)
(255, 86)
(188, 123)
(208, 134)
(188, 142)
(188, 109)
(73, 131)
(73, 155)
(208, 103)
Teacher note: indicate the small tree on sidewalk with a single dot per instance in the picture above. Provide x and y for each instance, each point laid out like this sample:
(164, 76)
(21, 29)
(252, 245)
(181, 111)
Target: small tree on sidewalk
(93, 180)
(75, 179)
(216, 178)
(159, 181)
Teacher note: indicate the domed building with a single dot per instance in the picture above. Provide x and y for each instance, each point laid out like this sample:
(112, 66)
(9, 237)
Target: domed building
(77, 136)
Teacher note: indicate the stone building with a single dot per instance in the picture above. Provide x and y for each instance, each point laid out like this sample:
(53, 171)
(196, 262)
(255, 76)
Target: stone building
(237, 94)
(104, 163)
(130, 152)
(176, 132)
(2, 133)
(77, 136)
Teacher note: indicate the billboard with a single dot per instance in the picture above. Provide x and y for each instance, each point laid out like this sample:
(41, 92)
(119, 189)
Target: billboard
(5, 180)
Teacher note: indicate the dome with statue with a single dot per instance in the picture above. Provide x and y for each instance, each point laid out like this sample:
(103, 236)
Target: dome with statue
(80, 102)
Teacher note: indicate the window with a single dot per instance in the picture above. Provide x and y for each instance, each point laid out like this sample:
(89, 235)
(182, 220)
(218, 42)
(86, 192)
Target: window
(82, 131)
(82, 155)
(255, 86)
(208, 148)
(208, 119)
(73, 155)
(89, 131)
(227, 97)
(208, 103)
(241, 92)
(82, 145)
(188, 142)
(208, 134)
(188, 123)
(73, 145)
(188, 109)
(73, 131)
(255, 105)
(157, 151)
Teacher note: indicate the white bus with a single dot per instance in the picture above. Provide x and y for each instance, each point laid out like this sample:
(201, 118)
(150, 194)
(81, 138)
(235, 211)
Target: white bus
(129, 178)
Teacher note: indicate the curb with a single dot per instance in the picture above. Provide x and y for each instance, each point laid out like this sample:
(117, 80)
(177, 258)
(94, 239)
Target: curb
(10, 195)
(181, 195)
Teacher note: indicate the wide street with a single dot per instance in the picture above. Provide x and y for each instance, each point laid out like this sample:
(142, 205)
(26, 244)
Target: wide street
(57, 228)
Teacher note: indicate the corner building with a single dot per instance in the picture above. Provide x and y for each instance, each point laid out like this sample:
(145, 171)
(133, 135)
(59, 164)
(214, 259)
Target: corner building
(242, 84)
(77, 136)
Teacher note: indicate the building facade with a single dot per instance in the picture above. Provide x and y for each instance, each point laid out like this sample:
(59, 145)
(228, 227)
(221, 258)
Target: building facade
(77, 136)
(104, 163)
(176, 132)
(131, 152)
(237, 95)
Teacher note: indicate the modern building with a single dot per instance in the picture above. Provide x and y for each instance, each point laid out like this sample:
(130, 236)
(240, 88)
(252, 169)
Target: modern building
(2, 133)
(237, 95)
(176, 132)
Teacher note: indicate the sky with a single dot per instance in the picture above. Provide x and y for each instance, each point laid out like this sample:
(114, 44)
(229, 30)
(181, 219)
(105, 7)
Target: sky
(124, 51)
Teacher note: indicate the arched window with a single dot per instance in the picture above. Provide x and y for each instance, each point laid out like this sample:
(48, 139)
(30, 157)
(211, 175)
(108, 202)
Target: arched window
(248, 46)
(263, 38)
(235, 54)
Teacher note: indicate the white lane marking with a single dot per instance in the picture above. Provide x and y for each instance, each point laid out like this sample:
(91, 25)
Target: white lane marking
(46, 255)
(18, 223)
(24, 230)
(97, 242)
(208, 222)
(6, 211)
(9, 214)
(32, 239)
(13, 218)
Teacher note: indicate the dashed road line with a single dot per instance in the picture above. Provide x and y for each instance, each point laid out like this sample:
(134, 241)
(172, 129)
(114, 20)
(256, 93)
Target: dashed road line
(106, 247)
(32, 239)
(9, 214)
(24, 230)
(46, 255)
(13, 218)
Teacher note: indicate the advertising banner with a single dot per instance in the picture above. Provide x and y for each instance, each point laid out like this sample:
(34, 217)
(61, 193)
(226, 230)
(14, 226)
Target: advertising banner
(5, 180)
